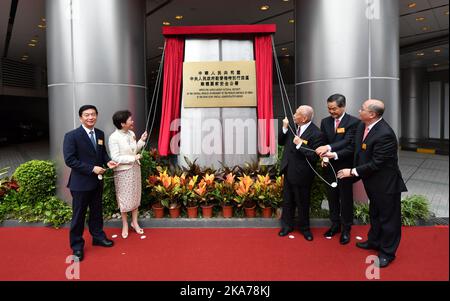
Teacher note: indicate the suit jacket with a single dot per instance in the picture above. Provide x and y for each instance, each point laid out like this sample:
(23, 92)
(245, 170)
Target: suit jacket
(340, 139)
(376, 159)
(81, 156)
(294, 160)
(123, 149)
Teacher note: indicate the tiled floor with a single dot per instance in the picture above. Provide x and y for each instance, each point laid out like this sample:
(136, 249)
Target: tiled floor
(423, 173)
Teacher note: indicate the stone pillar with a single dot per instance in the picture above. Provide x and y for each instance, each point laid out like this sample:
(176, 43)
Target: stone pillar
(414, 104)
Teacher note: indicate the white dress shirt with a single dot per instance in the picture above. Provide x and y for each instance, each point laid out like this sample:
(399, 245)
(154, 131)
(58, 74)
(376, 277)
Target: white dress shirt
(302, 130)
(123, 148)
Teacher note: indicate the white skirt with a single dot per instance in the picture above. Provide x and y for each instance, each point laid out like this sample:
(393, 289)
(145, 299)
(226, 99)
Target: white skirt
(128, 188)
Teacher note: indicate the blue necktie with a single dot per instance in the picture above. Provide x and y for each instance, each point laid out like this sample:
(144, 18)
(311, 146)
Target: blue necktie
(91, 135)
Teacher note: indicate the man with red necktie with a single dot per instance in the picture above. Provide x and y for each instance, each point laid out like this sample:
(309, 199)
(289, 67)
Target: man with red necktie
(339, 131)
(376, 163)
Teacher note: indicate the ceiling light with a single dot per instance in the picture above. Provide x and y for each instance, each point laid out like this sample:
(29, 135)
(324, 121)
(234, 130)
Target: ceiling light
(435, 65)
(179, 17)
(165, 23)
(285, 0)
(33, 41)
(31, 44)
(42, 26)
(437, 50)
(412, 4)
(425, 28)
(24, 59)
(286, 55)
(264, 7)
(420, 19)
(420, 53)
(43, 19)
(291, 21)
(284, 49)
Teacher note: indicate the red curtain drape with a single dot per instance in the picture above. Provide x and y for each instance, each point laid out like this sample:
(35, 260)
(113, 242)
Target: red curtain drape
(264, 75)
(173, 74)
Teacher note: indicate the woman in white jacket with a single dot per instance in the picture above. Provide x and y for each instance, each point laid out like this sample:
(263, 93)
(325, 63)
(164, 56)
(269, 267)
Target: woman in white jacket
(124, 149)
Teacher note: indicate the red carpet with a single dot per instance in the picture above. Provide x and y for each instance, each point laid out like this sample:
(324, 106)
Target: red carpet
(219, 255)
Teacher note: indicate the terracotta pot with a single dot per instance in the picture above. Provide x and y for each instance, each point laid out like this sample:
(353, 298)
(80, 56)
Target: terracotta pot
(192, 212)
(267, 212)
(227, 211)
(250, 212)
(207, 211)
(175, 212)
(158, 210)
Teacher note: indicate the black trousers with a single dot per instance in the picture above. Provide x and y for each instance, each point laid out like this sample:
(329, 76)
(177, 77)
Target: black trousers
(82, 200)
(296, 196)
(385, 222)
(340, 202)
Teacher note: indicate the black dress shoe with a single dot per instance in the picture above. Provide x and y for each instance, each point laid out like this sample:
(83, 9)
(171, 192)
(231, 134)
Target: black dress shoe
(308, 235)
(345, 238)
(79, 254)
(103, 243)
(367, 245)
(332, 231)
(285, 231)
(384, 261)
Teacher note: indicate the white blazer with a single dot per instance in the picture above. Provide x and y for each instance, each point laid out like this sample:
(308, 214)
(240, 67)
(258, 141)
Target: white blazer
(123, 148)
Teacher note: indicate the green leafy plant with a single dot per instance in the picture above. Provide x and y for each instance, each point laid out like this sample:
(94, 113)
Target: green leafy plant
(361, 212)
(37, 180)
(414, 208)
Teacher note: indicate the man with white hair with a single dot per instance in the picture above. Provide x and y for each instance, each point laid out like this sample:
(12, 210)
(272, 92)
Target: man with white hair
(298, 175)
(376, 163)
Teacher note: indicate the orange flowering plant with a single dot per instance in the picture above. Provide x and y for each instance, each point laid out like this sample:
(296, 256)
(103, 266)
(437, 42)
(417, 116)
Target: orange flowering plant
(205, 189)
(188, 196)
(244, 191)
(168, 189)
(224, 191)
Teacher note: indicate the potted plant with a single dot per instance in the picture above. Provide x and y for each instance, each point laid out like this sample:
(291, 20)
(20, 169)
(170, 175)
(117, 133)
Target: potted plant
(224, 194)
(157, 207)
(189, 198)
(205, 195)
(244, 197)
(168, 191)
(263, 194)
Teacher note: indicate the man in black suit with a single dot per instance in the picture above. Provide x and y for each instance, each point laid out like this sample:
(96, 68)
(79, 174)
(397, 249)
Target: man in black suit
(376, 163)
(85, 153)
(339, 131)
(298, 175)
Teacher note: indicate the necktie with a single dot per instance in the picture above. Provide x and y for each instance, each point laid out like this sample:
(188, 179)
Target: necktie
(366, 131)
(337, 124)
(298, 131)
(91, 136)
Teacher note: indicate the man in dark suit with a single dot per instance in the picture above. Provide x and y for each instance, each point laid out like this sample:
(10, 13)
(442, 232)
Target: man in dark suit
(298, 175)
(85, 153)
(376, 163)
(339, 131)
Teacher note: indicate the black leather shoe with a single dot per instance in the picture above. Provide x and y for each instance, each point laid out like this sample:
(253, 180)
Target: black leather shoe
(345, 238)
(79, 254)
(332, 231)
(308, 235)
(367, 245)
(384, 261)
(103, 243)
(285, 231)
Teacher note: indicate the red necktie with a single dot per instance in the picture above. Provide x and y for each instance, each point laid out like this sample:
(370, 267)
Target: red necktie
(337, 124)
(366, 131)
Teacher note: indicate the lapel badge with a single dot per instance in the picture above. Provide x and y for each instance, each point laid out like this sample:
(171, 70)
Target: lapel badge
(364, 146)
(100, 142)
(340, 130)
